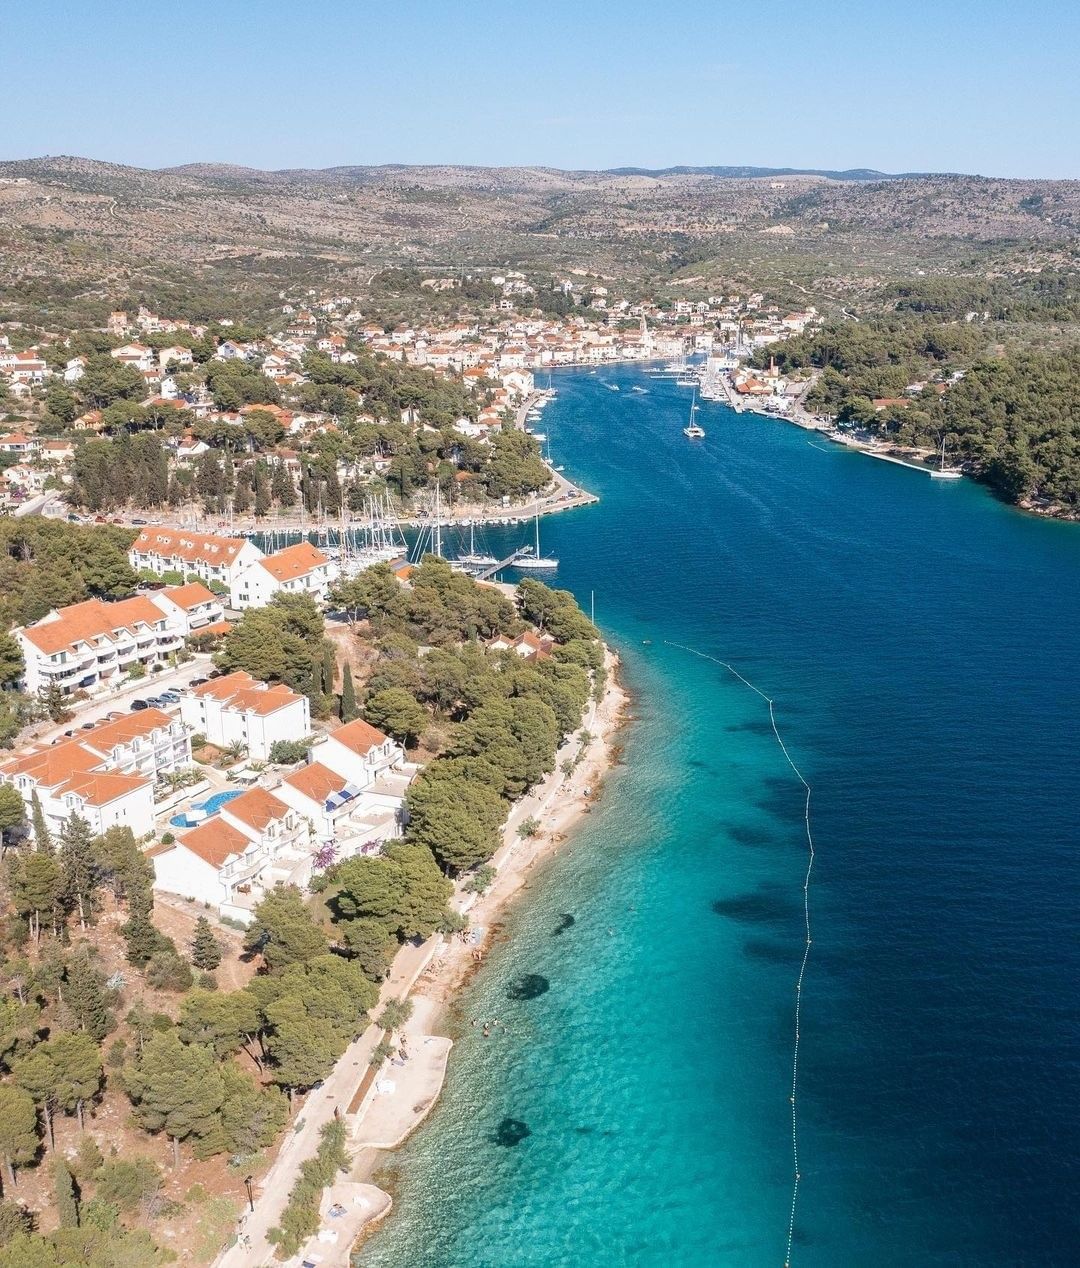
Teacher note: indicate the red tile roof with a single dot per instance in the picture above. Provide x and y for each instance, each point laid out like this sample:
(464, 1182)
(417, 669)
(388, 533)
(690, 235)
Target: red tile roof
(358, 737)
(84, 622)
(215, 842)
(256, 808)
(294, 561)
(189, 596)
(316, 781)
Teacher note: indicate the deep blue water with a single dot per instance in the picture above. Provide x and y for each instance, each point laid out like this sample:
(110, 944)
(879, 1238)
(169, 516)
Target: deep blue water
(919, 640)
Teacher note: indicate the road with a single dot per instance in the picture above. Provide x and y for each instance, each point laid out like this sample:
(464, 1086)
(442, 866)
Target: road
(120, 699)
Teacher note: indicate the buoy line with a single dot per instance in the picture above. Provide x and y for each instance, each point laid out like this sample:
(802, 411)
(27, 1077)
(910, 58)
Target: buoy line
(797, 1176)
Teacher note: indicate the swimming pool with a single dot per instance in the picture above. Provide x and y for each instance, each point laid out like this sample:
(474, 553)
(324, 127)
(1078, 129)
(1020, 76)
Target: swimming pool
(210, 806)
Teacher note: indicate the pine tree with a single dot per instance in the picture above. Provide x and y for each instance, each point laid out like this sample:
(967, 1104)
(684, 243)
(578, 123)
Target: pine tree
(176, 1088)
(263, 500)
(85, 994)
(282, 487)
(205, 948)
(37, 888)
(66, 1202)
(42, 839)
(78, 861)
(12, 812)
(18, 1129)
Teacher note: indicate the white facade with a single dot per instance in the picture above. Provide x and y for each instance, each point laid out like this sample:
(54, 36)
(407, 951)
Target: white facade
(93, 644)
(238, 709)
(358, 753)
(219, 559)
(232, 860)
(105, 775)
(299, 569)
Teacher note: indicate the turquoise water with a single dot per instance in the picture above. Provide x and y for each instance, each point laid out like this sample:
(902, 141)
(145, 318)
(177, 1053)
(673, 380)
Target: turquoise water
(632, 1105)
(211, 805)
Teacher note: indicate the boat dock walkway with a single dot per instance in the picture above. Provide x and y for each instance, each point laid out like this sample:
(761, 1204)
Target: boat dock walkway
(484, 574)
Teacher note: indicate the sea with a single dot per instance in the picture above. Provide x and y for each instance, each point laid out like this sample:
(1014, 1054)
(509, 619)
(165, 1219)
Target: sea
(633, 1104)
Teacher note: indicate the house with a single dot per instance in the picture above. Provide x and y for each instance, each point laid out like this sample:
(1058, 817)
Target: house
(299, 569)
(94, 644)
(136, 355)
(74, 370)
(18, 442)
(342, 812)
(176, 355)
(253, 843)
(57, 450)
(189, 608)
(189, 448)
(359, 753)
(214, 559)
(106, 775)
(27, 368)
(238, 709)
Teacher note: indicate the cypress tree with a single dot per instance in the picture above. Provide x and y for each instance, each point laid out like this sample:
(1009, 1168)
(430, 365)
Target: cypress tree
(205, 949)
(328, 667)
(66, 1202)
(42, 839)
(348, 696)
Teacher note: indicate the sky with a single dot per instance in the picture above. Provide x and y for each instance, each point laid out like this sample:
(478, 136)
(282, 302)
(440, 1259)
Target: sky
(979, 86)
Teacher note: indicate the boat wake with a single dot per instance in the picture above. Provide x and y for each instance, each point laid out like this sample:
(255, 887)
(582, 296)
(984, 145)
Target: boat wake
(796, 1176)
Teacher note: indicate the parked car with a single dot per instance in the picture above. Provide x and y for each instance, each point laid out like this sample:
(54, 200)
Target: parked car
(138, 523)
(88, 726)
(173, 697)
(197, 682)
(155, 702)
(216, 673)
(136, 705)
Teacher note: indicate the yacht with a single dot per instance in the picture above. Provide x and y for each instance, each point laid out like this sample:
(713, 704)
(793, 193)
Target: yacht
(693, 430)
(943, 472)
(472, 558)
(535, 560)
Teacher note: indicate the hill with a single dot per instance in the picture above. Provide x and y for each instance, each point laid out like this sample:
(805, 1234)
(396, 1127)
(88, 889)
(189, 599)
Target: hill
(79, 230)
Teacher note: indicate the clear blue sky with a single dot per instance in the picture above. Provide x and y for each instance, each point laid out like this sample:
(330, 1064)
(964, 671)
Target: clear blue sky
(986, 86)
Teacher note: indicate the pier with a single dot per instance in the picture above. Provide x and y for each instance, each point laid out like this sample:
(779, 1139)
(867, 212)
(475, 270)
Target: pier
(486, 573)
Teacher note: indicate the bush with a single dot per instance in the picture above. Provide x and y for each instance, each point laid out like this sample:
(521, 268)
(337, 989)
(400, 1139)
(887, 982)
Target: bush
(528, 828)
(479, 881)
(396, 1013)
(286, 752)
(167, 838)
(168, 972)
(300, 1219)
(126, 1183)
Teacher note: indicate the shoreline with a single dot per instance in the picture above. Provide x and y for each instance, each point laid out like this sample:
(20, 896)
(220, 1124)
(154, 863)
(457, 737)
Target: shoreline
(380, 1124)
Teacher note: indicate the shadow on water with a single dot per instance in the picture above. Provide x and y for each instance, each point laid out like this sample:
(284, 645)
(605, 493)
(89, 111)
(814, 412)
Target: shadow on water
(510, 1132)
(762, 907)
(744, 834)
(528, 986)
(771, 952)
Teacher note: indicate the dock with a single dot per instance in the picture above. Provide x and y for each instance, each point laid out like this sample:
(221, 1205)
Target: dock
(486, 573)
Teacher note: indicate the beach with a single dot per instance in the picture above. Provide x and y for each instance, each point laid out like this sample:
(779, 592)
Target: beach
(383, 1107)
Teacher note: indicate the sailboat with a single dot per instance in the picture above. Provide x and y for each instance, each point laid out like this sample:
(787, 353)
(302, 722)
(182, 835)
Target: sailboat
(536, 560)
(693, 430)
(477, 561)
(943, 472)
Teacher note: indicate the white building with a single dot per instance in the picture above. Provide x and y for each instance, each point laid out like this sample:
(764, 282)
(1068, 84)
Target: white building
(238, 709)
(253, 843)
(93, 644)
(105, 775)
(214, 559)
(299, 569)
(189, 608)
